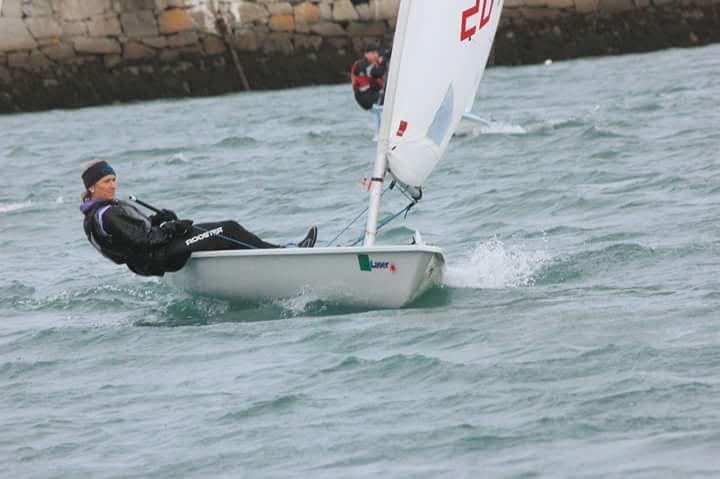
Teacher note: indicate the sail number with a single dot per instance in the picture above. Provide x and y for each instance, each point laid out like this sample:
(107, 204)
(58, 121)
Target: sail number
(469, 27)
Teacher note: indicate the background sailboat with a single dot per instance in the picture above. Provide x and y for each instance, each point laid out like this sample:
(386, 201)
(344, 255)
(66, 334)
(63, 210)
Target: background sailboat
(440, 51)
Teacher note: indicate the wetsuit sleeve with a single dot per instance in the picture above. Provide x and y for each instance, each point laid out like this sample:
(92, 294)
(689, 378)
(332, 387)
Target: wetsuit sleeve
(133, 232)
(360, 67)
(378, 71)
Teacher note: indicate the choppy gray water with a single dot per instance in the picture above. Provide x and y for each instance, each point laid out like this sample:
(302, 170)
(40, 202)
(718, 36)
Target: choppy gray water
(577, 334)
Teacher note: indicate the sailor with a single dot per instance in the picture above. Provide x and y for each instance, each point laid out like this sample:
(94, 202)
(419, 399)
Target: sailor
(368, 76)
(154, 245)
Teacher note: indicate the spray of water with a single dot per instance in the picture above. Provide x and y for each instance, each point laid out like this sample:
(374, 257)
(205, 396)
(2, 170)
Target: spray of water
(493, 265)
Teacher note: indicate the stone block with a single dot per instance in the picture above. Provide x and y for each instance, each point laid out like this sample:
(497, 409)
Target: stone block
(282, 23)
(59, 52)
(74, 10)
(536, 3)
(5, 76)
(182, 3)
(585, 6)
(384, 9)
(280, 8)
(214, 45)
(18, 60)
(74, 29)
(133, 5)
(39, 61)
(372, 29)
(203, 21)
(252, 13)
(139, 24)
(539, 13)
(278, 42)
(246, 41)
(560, 3)
(661, 3)
(327, 29)
(344, 11)
(642, 3)
(168, 56)
(155, 42)
(182, 39)
(510, 13)
(14, 35)
(11, 9)
(363, 11)
(43, 27)
(307, 42)
(302, 27)
(307, 12)
(174, 21)
(609, 7)
(137, 51)
(111, 61)
(104, 26)
(513, 4)
(193, 51)
(43, 42)
(98, 46)
(338, 44)
(36, 8)
(325, 11)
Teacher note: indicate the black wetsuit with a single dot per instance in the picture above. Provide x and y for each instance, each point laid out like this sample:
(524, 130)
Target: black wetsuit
(149, 247)
(368, 84)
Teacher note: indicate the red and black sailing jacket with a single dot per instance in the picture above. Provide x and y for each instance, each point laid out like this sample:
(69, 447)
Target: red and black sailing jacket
(365, 75)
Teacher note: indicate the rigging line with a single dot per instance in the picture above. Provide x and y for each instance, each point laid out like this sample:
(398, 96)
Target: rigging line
(383, 223)
(348, 226)
(356, 218)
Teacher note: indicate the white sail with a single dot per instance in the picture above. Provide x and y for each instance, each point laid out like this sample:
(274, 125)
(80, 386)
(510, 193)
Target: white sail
(445, 46)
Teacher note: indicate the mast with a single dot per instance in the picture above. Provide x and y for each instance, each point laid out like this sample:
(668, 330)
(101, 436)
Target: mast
(383, 144)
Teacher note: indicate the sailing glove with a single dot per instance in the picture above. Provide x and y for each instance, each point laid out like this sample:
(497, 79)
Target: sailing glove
(163, 216)
(179, 228)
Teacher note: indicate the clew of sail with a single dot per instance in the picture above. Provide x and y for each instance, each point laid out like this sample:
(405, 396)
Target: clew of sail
(445, 47)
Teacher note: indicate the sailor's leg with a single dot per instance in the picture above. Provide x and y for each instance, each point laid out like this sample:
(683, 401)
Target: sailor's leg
(366, 99)
(224, 235)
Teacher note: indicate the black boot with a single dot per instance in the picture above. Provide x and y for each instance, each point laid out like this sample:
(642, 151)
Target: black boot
(310, 238)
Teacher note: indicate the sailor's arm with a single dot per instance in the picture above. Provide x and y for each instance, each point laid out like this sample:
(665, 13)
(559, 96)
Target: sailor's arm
(133, 232)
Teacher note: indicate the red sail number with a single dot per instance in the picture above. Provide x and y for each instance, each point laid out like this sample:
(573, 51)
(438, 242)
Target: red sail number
(466, 33)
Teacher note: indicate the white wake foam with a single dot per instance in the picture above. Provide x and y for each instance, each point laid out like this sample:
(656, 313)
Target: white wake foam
(297, 305)
(8, 207)
(491, 128)
(492, 265)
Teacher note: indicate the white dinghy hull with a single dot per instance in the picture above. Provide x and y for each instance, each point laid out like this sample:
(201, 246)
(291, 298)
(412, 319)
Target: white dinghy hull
(378, 276)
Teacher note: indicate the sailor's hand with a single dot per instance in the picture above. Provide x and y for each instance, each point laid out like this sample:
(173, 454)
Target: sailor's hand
(163, 216)
(180, 228)
(166, 215)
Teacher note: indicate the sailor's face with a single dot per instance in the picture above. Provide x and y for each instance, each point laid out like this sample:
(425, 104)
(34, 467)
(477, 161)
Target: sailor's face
(373, 57)
(104, 189)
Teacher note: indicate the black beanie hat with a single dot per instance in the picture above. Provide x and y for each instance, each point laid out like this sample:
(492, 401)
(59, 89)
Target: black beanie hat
(95, 172)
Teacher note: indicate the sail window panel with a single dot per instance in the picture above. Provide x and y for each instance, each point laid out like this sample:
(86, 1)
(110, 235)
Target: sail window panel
(440, 126)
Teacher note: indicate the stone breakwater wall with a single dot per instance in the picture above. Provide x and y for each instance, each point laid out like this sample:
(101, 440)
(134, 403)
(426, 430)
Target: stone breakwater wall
(72, 53)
